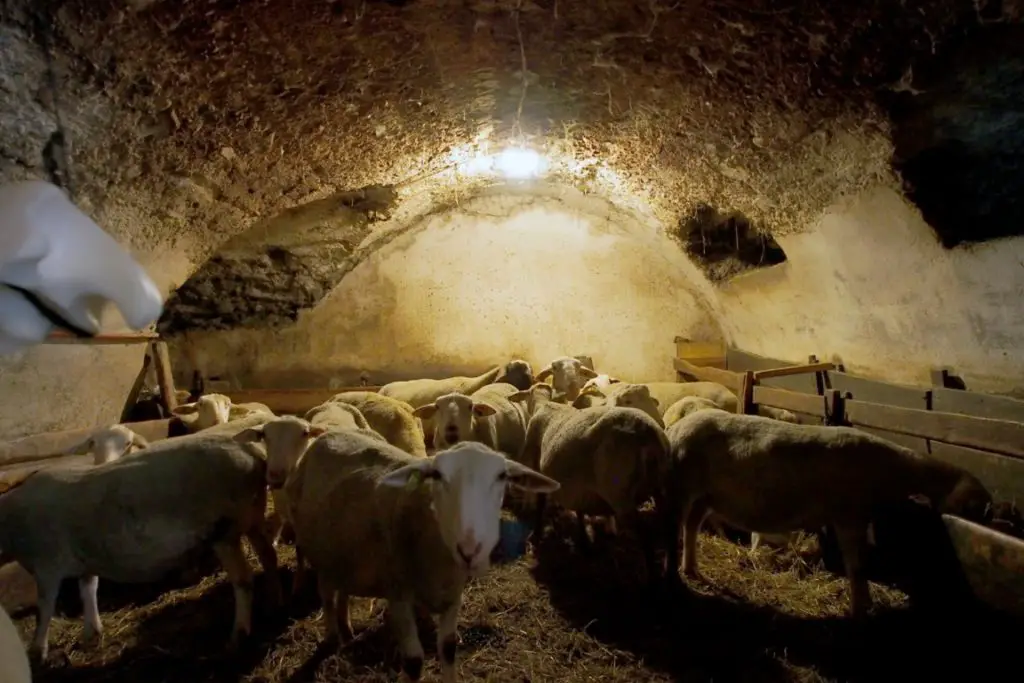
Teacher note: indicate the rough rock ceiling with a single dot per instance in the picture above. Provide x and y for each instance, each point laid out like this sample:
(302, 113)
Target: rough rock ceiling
(223, 112)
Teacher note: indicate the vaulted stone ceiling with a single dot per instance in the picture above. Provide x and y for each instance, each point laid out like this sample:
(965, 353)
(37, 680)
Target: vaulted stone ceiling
(225, 124)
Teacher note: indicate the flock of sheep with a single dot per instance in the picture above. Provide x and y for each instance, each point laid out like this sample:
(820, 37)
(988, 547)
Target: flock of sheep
(374, 515)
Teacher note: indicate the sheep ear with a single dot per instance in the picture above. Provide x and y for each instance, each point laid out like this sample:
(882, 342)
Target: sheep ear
(592, 390)
(525, 479)
(483, 410)
(544, 374)
(250, 435)
(186, 409)
(411, 475)
(316, 430)
(519, 396)
(655, 401)
(140, 441)
(614, 380)
(587, 372)
(425, 412)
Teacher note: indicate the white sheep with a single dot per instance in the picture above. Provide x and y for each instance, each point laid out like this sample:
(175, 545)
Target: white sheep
(420, 392)
(135, 519)
(765, 475)
(415, 530)
(211, 410)
(391, 418)
(667, 393)
(14, 664)
(568, 376)
(623, 395)
(336, 415)
(456, 417)
(607, 459)
(686, 406)
(109, 444)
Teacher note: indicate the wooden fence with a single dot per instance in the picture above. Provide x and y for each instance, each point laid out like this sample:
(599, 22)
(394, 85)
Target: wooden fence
(981, 433)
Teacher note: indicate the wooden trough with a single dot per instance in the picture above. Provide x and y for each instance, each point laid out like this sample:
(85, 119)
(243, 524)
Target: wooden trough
(988, 443)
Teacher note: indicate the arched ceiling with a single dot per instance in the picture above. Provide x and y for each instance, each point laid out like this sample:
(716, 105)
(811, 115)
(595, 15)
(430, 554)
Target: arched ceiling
(206, 117)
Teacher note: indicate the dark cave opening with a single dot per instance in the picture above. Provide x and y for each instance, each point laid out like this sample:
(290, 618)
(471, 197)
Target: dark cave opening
(724, 244)
(958, 133)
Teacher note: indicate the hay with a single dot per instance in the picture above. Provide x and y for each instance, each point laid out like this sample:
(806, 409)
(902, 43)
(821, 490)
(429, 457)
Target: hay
(559, 616)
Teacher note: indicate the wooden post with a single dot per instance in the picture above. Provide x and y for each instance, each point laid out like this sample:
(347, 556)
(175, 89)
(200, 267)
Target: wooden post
(164, 377)
(835, 408)
(819, 377)
(140, 381)
(745, 406)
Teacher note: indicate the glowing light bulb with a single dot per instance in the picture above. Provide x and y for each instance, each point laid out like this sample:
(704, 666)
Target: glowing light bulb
(519, 163)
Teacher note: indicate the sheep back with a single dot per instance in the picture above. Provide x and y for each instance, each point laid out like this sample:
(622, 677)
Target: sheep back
(390, 417)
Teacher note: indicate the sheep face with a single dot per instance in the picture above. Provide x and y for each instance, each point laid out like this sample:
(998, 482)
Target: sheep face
(107, 445)
(286, 439)
(567, 376)
(602, 381)
(534, 397)
(213, 409)
(518, 373)
(467, 486)
(453, 416)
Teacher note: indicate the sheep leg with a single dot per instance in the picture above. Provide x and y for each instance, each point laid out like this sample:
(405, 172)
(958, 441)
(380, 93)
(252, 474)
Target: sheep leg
(232, 558)
(403, 624)
(448, 641)
(299, 580)
(329, 598)
(853, 542)
(267, 556)
(695, 513)
(538, 521)
(92, 630)
(47, 588)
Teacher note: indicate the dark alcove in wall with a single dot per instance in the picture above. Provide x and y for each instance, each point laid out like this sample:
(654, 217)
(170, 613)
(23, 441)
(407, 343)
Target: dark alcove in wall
(958, 131)
(726, 244)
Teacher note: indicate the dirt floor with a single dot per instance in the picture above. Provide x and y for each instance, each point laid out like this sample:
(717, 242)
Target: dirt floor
(771, 616)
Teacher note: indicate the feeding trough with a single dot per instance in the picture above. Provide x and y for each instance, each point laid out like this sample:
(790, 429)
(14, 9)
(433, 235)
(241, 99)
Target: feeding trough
(993, 563)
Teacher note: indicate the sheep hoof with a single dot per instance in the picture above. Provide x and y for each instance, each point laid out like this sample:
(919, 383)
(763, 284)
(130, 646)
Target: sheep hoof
(91, 640)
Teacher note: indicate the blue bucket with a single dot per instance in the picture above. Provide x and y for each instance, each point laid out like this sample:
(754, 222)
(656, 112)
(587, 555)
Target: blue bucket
(513, 539)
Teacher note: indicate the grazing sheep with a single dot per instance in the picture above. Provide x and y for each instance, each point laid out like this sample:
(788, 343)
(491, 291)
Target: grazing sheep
(764, 475)
(389, 417)
(14, 664)
(567, 375)
(415, 530)
(420, 392)
(135, 519)
(518, 373)
(667, 393)
(686, 406)
(109, 444)
(623, 395)
(607, 459)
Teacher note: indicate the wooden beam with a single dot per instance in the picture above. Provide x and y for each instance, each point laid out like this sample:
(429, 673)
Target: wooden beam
(164, 376)
(140, 381)
(102, 339)
(794, 370)
(998, 436)
(730, 380)
(793, 401)
(745, 404)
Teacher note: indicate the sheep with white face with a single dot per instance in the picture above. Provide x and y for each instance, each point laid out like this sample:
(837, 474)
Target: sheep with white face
(210, 410)
(454, 418)
(568, 376)
(286, 439)
(416, 529)
(109, 444)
